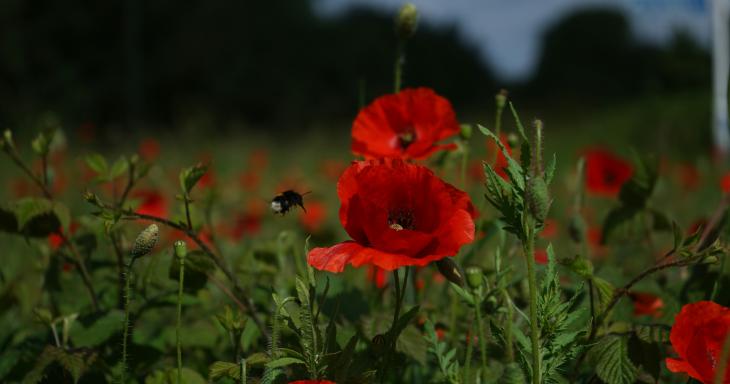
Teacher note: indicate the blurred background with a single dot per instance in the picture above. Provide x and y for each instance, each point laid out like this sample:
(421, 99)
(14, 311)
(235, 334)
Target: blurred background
(118, 71)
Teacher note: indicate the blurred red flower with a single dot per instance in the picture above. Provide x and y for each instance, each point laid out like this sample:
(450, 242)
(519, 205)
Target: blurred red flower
(689, 177)
(149, 149)
(550, 230)
(725, 183)
(605, 172)
(152, 202)
(55, 240)
(314, 217)
(248, 222)
(397, 214)
(332, 169)
(378, 276)
(698, 334)
(249, 179)
(404, 125)
(500, 161)
(541, 256)
(647, 304)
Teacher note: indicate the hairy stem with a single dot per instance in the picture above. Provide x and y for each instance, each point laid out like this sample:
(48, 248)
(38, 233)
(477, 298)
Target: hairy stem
(400, 58)
(179, 319)
(81, 266)
(469, 351)
(125, 337)
(480, 335)
(528, 249)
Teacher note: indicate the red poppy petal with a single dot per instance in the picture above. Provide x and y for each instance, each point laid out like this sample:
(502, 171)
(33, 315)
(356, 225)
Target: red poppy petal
(681, 366)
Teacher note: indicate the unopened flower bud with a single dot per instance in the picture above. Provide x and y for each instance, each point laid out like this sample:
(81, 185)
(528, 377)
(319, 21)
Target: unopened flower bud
(466, 131)
(501, 98)
(513, 140)
(712, 259)
(91, 198)
(538, 200)
(146, 240)
(7, 141)
(450, 271)
(181, 249)
(407, 21)
(474, 277)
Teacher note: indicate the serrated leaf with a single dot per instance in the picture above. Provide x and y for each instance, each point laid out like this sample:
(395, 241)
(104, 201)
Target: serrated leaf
(97, 163)
(120, 166)
(190, 176)
(611, 358)
(221, 369)
(605, 292)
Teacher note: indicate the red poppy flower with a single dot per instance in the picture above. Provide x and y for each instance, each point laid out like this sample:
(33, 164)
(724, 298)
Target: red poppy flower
(550, 230)
(149, 149)
(647, 304)
(725, 183)
(500, 161)
(314, 217)
(689, 177)
(397, 214)
(698, 334)
(541, 256)
(378, 276)
(605, 173)
(404, 125)
(248, 222)
(151, 203)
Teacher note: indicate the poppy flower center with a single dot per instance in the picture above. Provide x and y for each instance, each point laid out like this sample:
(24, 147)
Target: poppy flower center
(407, 137)
(609, 177)
(400, 219)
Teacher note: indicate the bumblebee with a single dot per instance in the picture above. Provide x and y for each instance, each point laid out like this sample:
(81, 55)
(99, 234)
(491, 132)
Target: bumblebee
(285, 201)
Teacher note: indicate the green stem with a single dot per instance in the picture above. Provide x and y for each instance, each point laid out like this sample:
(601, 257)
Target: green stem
(187, 212)
(469, 351)
(464, 162)
(509, 349)
(127, 292)
(480, 335)
(179, 319)
(396, 313)
(528, 248)
(243, 371)
(398, 67)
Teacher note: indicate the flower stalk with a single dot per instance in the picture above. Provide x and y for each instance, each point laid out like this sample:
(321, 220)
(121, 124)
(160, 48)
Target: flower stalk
(180, 253)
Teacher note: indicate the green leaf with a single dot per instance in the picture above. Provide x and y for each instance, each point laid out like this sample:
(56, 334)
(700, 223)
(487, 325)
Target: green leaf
(221, 369)
(8, 221)
(616, 218)
(190, 176)
(97, 332)
(75, 363)
(468, 297)
(120, 166)
(604, 290)
(38, 217)
(550, 170)
(283, 362)
(97, 163)
(635, 192)
(611, 358)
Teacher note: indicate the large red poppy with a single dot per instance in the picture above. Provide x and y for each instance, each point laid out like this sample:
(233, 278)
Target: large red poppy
(397, 214)
(404, 125)
(605, 172)
(698, 334)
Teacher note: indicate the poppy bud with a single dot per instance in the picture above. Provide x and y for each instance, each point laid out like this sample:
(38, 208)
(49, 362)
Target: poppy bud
(577, 228)
(501, 98)
(466, 131)
(538, 200)
(474, 277)
(407, 21)
(513, 141)
(7, 141)
(181, 249)
(581, 266)
(378, 343)
(450, 270)
(91, 197)
(146, 240)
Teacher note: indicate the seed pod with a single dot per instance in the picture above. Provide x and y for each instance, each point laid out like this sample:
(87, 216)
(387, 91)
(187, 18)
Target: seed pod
(450, 270)
(538, 200)
(501, 98)
(407, 21)
(513, 140)
(466, 131)
(474, 277)
(181, 249)
(146, 240)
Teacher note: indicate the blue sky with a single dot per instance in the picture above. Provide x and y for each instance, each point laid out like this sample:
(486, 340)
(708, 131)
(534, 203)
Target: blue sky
(507, 32)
